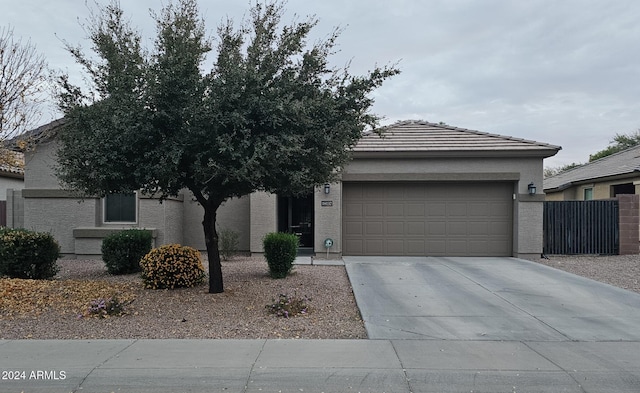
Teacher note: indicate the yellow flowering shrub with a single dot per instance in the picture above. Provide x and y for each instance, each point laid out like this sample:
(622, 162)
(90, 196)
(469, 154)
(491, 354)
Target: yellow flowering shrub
(172, 266)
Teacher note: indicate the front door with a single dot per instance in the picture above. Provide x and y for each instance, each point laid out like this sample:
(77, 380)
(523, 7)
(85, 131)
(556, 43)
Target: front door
(295, 215)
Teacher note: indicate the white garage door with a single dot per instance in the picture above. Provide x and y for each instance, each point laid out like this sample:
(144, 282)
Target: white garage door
(437, 219)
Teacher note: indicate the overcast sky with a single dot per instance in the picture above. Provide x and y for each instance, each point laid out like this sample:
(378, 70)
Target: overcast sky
(564, 72)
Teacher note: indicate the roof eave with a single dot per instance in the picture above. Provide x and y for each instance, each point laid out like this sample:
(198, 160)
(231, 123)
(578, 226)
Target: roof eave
(13, 175)
(538, 153)
(39, 135)
(600, 179)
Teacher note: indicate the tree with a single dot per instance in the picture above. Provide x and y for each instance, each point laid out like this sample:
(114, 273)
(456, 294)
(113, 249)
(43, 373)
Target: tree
(552, 171)
(22, 79)
(270, 115)
(618, 143)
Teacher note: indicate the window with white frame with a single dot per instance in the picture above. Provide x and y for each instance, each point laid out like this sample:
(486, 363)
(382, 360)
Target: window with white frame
(121, 208)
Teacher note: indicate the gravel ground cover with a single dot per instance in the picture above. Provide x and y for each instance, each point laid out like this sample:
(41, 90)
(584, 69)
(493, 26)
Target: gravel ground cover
(622, 271)
(51, 309)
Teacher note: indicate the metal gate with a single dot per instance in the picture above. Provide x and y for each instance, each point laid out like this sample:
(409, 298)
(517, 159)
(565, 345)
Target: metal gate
(581, 227)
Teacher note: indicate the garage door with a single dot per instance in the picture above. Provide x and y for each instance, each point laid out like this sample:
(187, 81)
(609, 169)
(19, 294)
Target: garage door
(438, 219)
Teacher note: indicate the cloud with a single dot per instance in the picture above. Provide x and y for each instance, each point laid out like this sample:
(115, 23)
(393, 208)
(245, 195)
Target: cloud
(563, 72)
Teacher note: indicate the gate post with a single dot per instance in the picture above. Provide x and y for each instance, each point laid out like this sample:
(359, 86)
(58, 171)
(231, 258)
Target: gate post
(629, 211)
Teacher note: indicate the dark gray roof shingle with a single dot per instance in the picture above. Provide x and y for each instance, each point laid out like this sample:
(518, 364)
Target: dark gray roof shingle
(626, 162)
(421, 136)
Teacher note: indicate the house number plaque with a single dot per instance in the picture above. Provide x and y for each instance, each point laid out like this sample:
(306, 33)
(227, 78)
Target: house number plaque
(326, 203)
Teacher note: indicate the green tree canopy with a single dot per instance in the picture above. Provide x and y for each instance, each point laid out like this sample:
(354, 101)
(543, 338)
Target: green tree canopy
(620, 142)
(271, 114)
(552, 171)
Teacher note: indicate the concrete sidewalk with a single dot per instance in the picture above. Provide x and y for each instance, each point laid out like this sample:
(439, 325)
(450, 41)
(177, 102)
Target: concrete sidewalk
(491, 326)
(139, 366)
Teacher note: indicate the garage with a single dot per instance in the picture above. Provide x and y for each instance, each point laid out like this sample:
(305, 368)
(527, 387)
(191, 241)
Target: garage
(428, 218)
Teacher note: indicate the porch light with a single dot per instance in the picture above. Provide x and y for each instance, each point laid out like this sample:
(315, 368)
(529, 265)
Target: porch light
(531, 188)
(327, 188)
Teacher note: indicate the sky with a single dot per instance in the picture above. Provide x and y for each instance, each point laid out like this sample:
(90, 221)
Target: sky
(564, 72)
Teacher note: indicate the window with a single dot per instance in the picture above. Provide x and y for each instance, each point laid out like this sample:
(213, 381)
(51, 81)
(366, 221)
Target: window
(626, 188)
(588, 194)
(120, 208)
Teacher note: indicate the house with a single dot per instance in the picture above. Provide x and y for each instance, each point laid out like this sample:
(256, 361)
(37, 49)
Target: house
(11, 175)
(605, 178)
(11, 178)
(420, 189)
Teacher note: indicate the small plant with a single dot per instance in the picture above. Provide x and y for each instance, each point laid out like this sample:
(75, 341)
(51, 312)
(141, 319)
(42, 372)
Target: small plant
(228, 243)
(172, 266)
(288, 306)
(122, 251)
(280, 250)
(27, 254)
(103, 308)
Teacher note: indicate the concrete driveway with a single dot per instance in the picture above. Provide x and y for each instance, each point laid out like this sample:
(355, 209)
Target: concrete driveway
(474, 325)
(496, 299)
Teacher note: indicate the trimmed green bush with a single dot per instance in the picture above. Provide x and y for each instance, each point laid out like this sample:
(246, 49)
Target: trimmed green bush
(280, 250)
(122, 251)
(172, 266)
(27, 254)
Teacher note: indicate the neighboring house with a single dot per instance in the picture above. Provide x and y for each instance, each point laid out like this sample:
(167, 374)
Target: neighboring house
(421, 189)
(605, 178)
(11, 178)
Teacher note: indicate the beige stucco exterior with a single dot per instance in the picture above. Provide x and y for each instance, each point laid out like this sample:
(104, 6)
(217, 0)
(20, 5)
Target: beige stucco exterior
(78, 224)
(79, 227)
(602, 189)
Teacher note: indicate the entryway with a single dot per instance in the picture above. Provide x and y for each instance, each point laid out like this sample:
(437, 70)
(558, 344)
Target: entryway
(295, 215)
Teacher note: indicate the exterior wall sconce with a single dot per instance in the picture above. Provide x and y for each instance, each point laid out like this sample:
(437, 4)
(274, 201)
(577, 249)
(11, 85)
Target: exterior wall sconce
(327, 188)
(532, 189)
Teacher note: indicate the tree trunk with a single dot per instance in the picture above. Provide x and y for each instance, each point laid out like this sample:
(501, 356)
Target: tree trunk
(211, 241)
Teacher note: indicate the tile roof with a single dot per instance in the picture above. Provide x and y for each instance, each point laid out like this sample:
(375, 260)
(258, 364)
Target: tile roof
(14, 169)
(626, 162)
(421, 137)
(41, 134)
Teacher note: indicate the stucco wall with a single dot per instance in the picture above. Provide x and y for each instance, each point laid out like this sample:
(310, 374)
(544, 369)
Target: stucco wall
(9, 183)
(453, 169)
(166, 217)
(60, 216)
(328, 220)
(565, 195)
(38, 171)
(15, 209)
(263, 213)
(64, 216)
(232, 215)
(601, 190)
(529, 235)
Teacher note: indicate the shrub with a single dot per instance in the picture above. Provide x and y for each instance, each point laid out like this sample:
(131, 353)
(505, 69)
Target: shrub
(280, 250)
(122, 251)
(289, 306)
(103, 308)
(227, 243)
(27, 254)
(172, 266)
